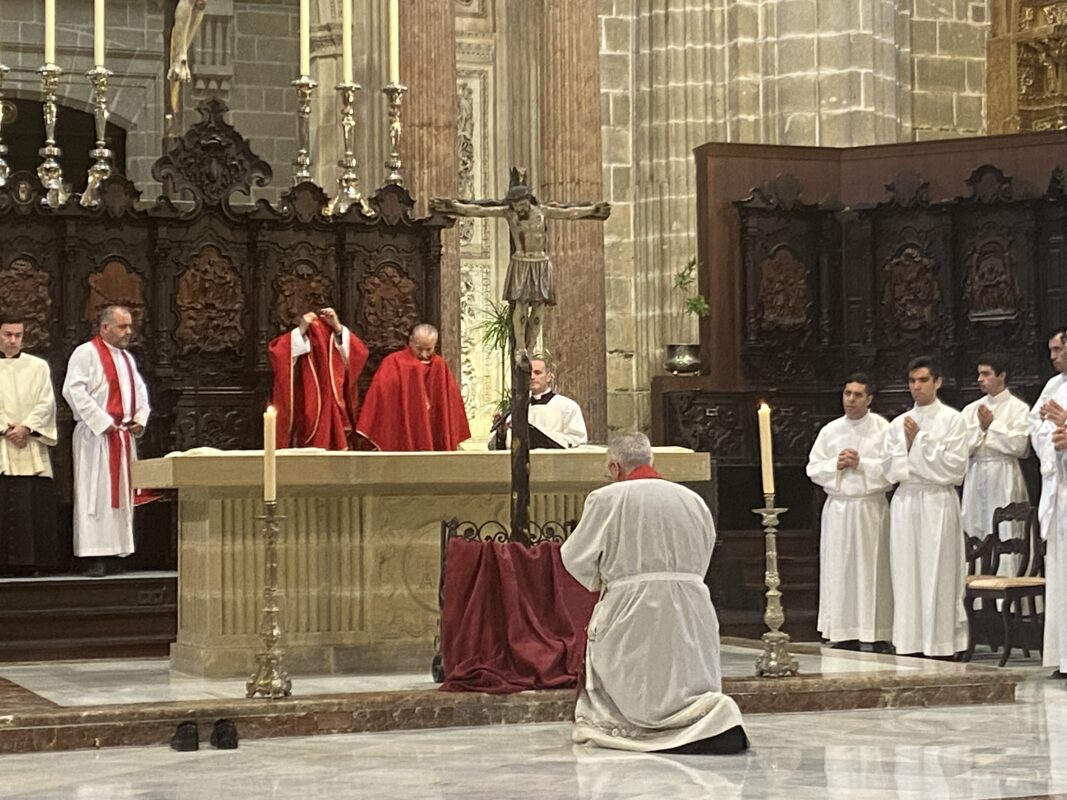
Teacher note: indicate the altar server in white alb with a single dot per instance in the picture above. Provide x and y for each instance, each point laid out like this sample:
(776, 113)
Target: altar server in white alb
(998, 435)
(855, 589)
(1049, 438)
(652, 677)
(28, 535)
(926, 453)
(110, 404)
(556, 422)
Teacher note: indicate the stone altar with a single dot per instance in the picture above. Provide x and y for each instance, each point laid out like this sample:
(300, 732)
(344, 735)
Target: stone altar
(359, 552)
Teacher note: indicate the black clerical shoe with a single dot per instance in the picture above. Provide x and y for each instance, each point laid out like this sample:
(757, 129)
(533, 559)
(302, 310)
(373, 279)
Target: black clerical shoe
(1059, 675)
(224, 735)
(724, 744)
(98, 569)
(186, 738)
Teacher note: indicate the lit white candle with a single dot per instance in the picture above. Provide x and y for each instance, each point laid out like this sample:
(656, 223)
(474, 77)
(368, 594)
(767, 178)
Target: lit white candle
(49, 31)
(346, 40)
(305, 37)
(98, 33)
(394, 41)
(270, 464)
(765, 450)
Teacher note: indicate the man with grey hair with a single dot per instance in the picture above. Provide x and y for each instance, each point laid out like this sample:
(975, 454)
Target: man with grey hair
(109, 401)
(652, 678)
(414, 402)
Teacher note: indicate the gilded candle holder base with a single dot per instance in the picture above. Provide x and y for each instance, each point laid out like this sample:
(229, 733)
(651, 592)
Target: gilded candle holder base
(270, 679)
(100, 170)
(776, 661)
(49, 172)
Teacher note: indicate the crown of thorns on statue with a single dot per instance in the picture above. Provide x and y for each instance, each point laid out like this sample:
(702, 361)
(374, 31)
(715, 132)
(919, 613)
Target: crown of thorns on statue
(519, 189)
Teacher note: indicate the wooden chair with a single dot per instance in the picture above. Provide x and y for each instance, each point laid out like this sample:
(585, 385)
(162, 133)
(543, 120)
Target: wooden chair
(1010, 593)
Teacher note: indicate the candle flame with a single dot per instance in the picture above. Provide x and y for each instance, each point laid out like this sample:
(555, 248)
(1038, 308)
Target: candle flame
(763, 405)
(270, 409)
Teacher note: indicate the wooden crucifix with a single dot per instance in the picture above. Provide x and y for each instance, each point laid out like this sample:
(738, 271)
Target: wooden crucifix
(530, 291)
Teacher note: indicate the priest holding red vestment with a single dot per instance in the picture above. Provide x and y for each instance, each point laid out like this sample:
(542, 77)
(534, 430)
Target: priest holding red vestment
(414, 403)
(316, 382)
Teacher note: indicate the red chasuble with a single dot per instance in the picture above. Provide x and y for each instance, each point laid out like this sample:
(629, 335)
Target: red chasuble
(413, 405)
(317, 395)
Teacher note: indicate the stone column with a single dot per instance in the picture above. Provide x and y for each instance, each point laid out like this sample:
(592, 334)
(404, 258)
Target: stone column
(571, 159)
(428, 146)
(524, 36)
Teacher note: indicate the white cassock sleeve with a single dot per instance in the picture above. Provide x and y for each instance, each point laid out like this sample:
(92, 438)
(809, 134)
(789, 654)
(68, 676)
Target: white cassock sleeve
(822, 461)
(76, 391)
(1041, 431)
(300, 345)
(584, 548)
(42, 417)
(940, 459)
(143, 407)
(1009, 433)
(895, 454)
(574, 432)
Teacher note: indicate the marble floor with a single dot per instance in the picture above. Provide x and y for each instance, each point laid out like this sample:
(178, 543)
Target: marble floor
(1005, 751)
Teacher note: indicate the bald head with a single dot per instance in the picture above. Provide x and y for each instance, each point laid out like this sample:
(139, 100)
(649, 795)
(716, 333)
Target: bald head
(423, 341)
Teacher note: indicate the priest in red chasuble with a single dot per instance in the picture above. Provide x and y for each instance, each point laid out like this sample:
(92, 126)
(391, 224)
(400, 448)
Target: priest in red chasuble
(414, 402)
(316, 382)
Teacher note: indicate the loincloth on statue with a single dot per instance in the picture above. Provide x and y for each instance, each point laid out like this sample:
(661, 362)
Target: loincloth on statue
(529, 280)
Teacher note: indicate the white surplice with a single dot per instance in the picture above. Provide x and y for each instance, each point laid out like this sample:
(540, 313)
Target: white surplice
(926, 552)
(1053, 514)
(99, 529)
(994, 477)
(855, 589)
(652, 674)
(560, 419)
(27, 398)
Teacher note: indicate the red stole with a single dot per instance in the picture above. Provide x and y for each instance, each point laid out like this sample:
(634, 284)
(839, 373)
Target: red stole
(317, 397)
(118, 439)
(643, 471)
(413, 406)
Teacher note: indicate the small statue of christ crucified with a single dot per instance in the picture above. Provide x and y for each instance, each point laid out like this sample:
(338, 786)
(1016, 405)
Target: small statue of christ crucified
(528, 287)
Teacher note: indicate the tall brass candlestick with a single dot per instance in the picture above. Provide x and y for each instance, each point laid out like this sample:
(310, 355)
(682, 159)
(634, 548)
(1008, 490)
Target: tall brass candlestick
(348, 184)
(304, 88)
(49, 171)
(395, 93)
(4, 169)
(776, 661)
(270, 678)
(101, 168)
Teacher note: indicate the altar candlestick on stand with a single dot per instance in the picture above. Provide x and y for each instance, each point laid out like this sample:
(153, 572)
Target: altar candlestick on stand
(270, 678)
(348, 184)
(101, 167)
(395, 93)
(394, 90)
(49, 171)
(4, 169)
(98, 76)
(304, 87)
(776, 661)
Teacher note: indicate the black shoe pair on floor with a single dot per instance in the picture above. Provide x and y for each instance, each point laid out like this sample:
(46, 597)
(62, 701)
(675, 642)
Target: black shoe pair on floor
(186, 738)
(724, 744)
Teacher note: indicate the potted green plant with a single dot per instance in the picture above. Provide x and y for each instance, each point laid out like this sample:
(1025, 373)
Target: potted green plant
(684, 358)
(496, 332)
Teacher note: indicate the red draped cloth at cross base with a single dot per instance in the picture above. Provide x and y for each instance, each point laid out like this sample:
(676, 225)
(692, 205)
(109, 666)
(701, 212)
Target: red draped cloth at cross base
(317, 395)
(413, 405)
(513, 618)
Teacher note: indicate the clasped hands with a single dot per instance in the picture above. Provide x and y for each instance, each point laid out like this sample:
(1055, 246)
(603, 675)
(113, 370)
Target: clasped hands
(328, 315)
(18, 436)
(848, 459)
